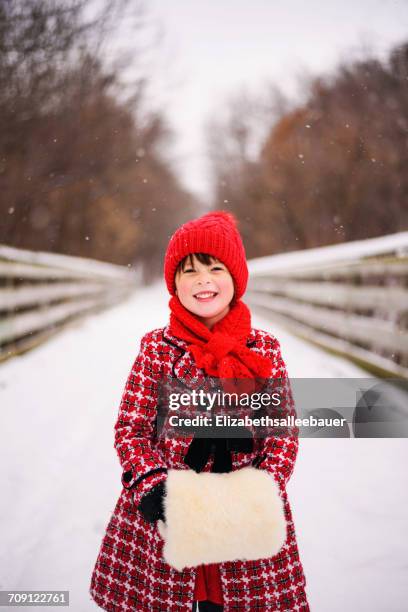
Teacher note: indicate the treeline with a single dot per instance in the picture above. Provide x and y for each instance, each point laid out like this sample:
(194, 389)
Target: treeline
(331, 169)
(81, 164)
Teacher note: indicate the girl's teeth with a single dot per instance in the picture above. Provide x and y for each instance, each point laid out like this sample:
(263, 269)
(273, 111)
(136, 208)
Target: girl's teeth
(205, 295)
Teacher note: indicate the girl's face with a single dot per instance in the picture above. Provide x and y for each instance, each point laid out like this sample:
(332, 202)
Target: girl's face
(205, 290)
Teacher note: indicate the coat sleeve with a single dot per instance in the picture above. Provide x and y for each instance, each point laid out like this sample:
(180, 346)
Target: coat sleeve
(143, 465)
(278, 453)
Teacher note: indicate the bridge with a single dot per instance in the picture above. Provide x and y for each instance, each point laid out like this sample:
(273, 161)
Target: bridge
(61, 477)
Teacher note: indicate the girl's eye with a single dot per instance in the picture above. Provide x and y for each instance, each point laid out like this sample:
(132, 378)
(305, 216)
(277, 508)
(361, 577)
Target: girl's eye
(187, 270)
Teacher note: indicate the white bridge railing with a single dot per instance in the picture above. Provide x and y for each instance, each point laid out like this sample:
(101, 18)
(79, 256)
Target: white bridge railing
(42, 292)
(351, 298)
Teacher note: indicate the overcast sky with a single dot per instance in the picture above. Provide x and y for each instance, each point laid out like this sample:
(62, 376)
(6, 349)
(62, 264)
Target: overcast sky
(212, 48)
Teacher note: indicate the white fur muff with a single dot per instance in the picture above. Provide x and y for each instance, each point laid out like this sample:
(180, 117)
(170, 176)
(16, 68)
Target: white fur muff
(212, 518)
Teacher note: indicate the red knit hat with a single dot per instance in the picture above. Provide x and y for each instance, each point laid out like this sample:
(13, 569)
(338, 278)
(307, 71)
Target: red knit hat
(215, 233)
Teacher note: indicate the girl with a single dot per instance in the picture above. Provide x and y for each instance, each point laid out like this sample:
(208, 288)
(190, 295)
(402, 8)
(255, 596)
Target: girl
(146, 561)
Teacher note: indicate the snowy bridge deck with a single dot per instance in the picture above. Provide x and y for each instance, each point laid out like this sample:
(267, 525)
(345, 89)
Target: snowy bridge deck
(61, 477)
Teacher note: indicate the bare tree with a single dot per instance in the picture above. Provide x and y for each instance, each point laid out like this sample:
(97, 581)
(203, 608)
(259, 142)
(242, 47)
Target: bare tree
(329, 169)
(82, 170)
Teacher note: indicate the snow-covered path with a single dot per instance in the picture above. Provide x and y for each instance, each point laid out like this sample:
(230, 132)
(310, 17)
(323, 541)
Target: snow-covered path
(60, 475)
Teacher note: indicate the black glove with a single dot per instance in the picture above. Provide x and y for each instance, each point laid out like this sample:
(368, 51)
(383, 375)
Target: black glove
(151, 504)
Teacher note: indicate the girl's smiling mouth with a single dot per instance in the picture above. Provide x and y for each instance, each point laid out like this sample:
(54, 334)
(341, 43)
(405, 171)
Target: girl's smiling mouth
(205, 296)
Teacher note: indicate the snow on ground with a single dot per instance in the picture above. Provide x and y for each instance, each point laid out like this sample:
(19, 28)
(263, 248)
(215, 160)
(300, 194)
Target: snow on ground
(61, 477)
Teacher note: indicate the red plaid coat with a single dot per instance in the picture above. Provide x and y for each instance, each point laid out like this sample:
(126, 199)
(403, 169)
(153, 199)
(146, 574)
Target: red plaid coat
(130, 572)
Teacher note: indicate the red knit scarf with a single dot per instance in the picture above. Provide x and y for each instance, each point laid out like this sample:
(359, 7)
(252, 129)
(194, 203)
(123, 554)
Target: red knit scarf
(221, 351)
